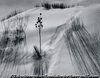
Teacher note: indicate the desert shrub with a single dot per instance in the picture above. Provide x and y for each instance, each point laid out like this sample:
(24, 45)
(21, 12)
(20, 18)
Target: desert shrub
(55, 6)
(46, 6)
(73, 5)
(37, 5)
(77, 24)
(61, 6)
(68, 6)
(19, 36)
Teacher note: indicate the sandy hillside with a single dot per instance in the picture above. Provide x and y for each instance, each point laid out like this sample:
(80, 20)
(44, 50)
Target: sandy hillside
(54, 18)
(51, 20)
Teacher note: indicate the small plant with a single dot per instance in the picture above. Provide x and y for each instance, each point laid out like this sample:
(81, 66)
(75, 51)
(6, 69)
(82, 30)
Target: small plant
(37, 5)
(36, 55)
(39, 62)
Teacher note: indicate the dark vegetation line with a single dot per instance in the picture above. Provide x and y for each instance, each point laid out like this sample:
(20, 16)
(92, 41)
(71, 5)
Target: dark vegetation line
(48, 6)
(13, 13)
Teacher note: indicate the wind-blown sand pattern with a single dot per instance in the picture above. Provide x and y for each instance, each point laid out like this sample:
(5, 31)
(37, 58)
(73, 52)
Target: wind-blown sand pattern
(68, 46)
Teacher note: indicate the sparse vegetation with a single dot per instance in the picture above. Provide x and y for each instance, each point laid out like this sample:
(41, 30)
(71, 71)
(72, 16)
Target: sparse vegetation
(48, 6)
(11, 38)
(81, 43)
(37, 5)
(13, 13)
(61, 6)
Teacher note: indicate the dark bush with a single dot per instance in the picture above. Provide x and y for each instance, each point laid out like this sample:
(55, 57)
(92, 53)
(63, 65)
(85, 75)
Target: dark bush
(46, 6)
(56, 6)
(61, 6)
(37, 5)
